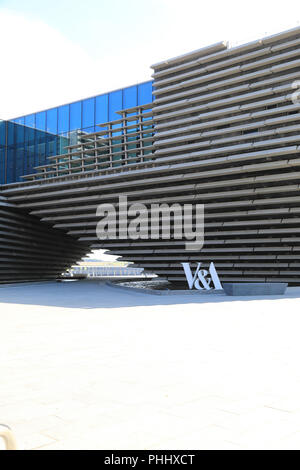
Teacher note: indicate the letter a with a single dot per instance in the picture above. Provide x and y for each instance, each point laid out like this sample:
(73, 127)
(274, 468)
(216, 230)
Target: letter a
(215, 277)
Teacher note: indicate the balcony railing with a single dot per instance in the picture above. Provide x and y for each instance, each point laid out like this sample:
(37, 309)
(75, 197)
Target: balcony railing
(123, 143)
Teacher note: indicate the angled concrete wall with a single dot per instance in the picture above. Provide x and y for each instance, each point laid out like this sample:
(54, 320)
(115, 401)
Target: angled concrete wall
(31, 250)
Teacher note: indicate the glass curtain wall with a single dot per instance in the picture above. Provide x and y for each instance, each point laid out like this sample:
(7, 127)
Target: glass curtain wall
(27, 141)
(87, 113)
(22, 148)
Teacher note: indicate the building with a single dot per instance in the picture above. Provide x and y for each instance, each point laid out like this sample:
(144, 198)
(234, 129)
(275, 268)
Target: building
(222, 131)
(27, 141)
(22, 148)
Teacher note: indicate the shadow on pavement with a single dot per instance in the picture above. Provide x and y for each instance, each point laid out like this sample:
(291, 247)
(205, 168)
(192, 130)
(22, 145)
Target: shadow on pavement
(96, 294)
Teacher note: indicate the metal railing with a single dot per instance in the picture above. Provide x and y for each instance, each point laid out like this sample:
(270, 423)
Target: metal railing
(124, 142)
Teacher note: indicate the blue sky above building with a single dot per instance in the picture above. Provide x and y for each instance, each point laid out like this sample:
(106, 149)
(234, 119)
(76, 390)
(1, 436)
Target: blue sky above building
(61, 51)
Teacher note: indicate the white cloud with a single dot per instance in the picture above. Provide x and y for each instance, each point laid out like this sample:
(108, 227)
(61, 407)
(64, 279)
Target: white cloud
(195, 23)
(42, 68)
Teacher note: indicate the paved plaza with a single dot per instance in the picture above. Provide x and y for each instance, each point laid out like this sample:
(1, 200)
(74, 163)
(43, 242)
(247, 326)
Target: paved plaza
(87, 366)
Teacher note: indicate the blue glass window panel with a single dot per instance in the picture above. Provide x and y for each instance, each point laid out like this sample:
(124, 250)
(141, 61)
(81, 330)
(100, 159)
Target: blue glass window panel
(89, 130)
(11, 153)
(2, 133)
(40, 120)
(145, 93)
(2, 166)
(20, 120)
(30, 150)
(41, 147)
(75, 116)
(19, 134)
(88, 113)
(11, 166)
(18, 147)
(10, 134)
(19, 162)
(52, 146)
(52, 121)
(63, 119)
(63, 142)
(2, 152)
(115, 104)
(101, 114)
(36, 155)
(130, 97)
(30, 120)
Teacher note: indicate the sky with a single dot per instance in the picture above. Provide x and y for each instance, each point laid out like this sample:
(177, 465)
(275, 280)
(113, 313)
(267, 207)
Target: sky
(58, 51)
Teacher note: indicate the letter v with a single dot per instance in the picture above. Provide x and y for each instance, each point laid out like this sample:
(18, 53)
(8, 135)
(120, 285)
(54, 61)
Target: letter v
(188, 274)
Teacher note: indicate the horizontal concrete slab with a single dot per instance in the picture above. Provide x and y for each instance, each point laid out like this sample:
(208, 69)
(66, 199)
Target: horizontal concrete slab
(254, 288)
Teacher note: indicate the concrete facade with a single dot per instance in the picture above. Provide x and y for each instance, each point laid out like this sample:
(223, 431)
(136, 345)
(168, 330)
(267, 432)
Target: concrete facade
(30, 250)
(223, 131)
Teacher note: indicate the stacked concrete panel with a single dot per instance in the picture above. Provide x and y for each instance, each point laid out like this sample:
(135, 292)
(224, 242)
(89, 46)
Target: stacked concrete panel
(226, 135)
(229, 116)
(31, 250)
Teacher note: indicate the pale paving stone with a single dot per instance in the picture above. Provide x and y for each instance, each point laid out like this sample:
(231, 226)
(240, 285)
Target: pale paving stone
(77, 428)
(36, 425)
(289, 442)
(144, 372)
(30, 441)
(117, 437)
(214, 444)
(210, 437)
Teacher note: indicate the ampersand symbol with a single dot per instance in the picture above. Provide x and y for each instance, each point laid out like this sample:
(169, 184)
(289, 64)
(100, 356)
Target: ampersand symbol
(202, 273)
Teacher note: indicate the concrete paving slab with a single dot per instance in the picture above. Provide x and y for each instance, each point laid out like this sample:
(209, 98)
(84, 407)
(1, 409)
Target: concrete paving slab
(138, 371)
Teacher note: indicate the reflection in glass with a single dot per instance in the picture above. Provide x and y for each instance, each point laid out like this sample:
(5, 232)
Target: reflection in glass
(88, 114)
(52, 120)
(75, 116)
(63, 119)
